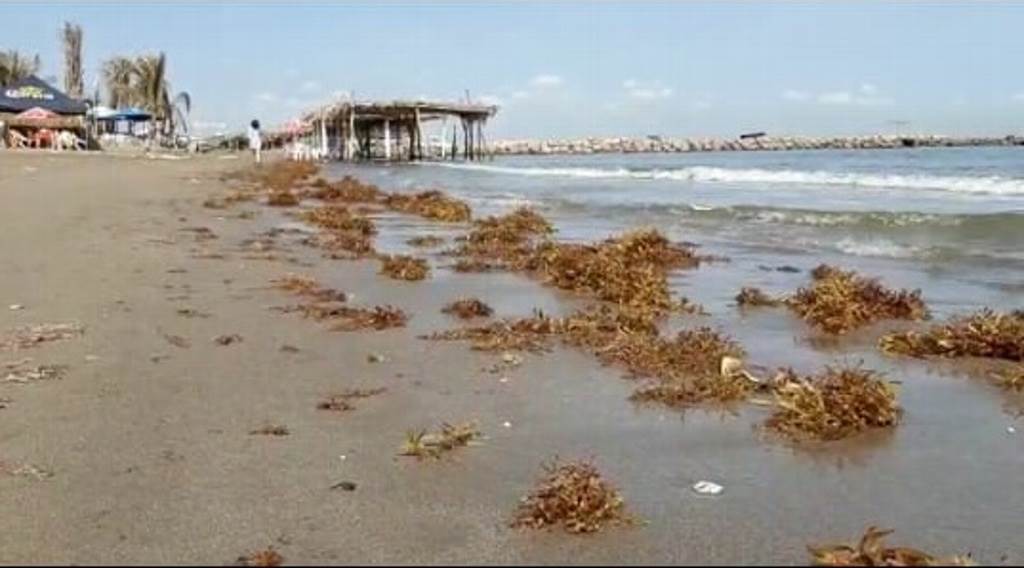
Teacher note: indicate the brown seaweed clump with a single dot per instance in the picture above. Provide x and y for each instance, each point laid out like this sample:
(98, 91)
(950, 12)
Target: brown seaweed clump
(1011, 378)
(985, 333)
(430, 205)
(265, 558)
(838, 403)
(307, 286)
(475, 265)
(402, 267)
(870, 551)
(422, 444)
(347, 318)
(343, 402)
(376, 318)
(425, 241)
(270, 430)
(343, 231)
(468, 308)
(573, 495)
(282, 199)
(683, 370)
(629, 270)
(686, 369)
(347, 189)
(839, 301)
(329, 305)
(524, 334)
(505, 240)
(284, 175)
(34, 335)
(343, 244)
(339, 218)
(750, 297)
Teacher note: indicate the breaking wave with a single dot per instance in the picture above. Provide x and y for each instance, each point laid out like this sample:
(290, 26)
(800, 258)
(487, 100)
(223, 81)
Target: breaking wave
(992, 185)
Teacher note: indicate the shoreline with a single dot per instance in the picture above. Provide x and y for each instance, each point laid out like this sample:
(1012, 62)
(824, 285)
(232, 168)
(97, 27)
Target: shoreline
(152, 461)
(659, 144)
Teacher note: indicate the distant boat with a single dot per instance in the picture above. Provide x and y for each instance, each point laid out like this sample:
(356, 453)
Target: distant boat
(750, 135)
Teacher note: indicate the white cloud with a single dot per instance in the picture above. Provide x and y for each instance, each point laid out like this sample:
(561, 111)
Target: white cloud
(865, 95)
(701, 105)
(520, 95)
(794, 95)
(835, 98)
(266, 97)
(646, 91)
(545, 80)
(1019, 97)
(309, 86)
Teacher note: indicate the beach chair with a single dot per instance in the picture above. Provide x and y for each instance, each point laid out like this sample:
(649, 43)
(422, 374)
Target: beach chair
(18, 140)
(68, 140)
(42, 138)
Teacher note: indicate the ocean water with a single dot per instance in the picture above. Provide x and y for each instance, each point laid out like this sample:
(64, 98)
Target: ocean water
(947, 220)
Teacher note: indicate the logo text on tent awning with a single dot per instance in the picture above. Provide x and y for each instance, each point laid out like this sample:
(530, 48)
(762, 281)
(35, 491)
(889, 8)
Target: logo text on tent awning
(28, 92)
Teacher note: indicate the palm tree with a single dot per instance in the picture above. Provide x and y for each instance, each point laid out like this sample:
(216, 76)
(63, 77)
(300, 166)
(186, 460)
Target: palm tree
(15, 66)
(154, 94)
(119, 76)
(143, 82)
(71, 38)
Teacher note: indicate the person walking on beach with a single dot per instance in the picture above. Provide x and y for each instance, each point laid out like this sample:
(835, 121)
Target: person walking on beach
(255, 140)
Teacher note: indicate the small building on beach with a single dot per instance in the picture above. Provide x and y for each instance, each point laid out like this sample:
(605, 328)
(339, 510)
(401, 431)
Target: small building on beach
(31, 93)
(397, 130)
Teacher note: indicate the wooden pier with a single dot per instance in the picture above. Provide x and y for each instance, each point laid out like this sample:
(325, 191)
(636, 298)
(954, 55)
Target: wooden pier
(394, 130)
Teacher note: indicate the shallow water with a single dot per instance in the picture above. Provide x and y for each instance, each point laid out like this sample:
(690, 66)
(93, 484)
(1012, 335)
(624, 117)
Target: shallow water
(944, 478)
(947, 220)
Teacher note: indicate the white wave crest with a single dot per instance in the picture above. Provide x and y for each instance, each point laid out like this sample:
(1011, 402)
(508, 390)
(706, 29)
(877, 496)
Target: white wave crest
(996, 185)
(879, 248)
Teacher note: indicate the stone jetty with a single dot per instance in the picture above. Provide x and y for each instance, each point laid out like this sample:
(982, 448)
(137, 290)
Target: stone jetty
(764, 143)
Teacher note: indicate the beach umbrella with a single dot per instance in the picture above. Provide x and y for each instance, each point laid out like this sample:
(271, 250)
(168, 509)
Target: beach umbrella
(36, 113)
(296, 127)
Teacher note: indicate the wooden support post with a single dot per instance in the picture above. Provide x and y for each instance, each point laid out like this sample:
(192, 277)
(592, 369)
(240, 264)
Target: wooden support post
(479, 140)
(323, 136)
(351, 130)
(419, 135)
(444, 127)
(387, 139)
(410, 127)
(455, 144)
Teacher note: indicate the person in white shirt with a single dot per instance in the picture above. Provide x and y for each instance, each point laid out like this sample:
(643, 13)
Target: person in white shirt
(255, 140)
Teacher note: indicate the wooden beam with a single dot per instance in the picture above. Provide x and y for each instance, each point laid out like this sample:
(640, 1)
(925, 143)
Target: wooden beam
(419, 135)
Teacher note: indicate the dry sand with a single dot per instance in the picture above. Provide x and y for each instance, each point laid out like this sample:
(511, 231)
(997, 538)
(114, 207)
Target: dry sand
(153, 463)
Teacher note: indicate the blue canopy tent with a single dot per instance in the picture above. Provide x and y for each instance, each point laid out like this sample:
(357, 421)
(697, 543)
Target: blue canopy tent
(120, 121)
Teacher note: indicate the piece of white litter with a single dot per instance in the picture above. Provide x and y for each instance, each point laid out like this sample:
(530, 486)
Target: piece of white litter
(707, 488)
(92, 358)
(507, 424)
(342, 457)
(15, 307)
(503, 380)
(1010, 430)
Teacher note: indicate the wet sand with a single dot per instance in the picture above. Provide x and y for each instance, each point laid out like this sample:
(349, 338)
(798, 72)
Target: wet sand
(153, 463)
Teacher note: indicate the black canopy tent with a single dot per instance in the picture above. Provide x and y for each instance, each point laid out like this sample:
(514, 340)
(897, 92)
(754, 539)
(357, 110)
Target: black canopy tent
(32, 92)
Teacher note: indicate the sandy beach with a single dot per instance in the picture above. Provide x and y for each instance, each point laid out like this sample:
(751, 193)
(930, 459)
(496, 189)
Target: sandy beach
(148, 456)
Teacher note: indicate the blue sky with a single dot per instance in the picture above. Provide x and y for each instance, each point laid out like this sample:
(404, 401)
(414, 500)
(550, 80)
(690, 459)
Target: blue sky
(570, 68)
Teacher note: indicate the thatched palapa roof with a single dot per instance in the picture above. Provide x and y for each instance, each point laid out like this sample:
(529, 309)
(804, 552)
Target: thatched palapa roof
(375, 111)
